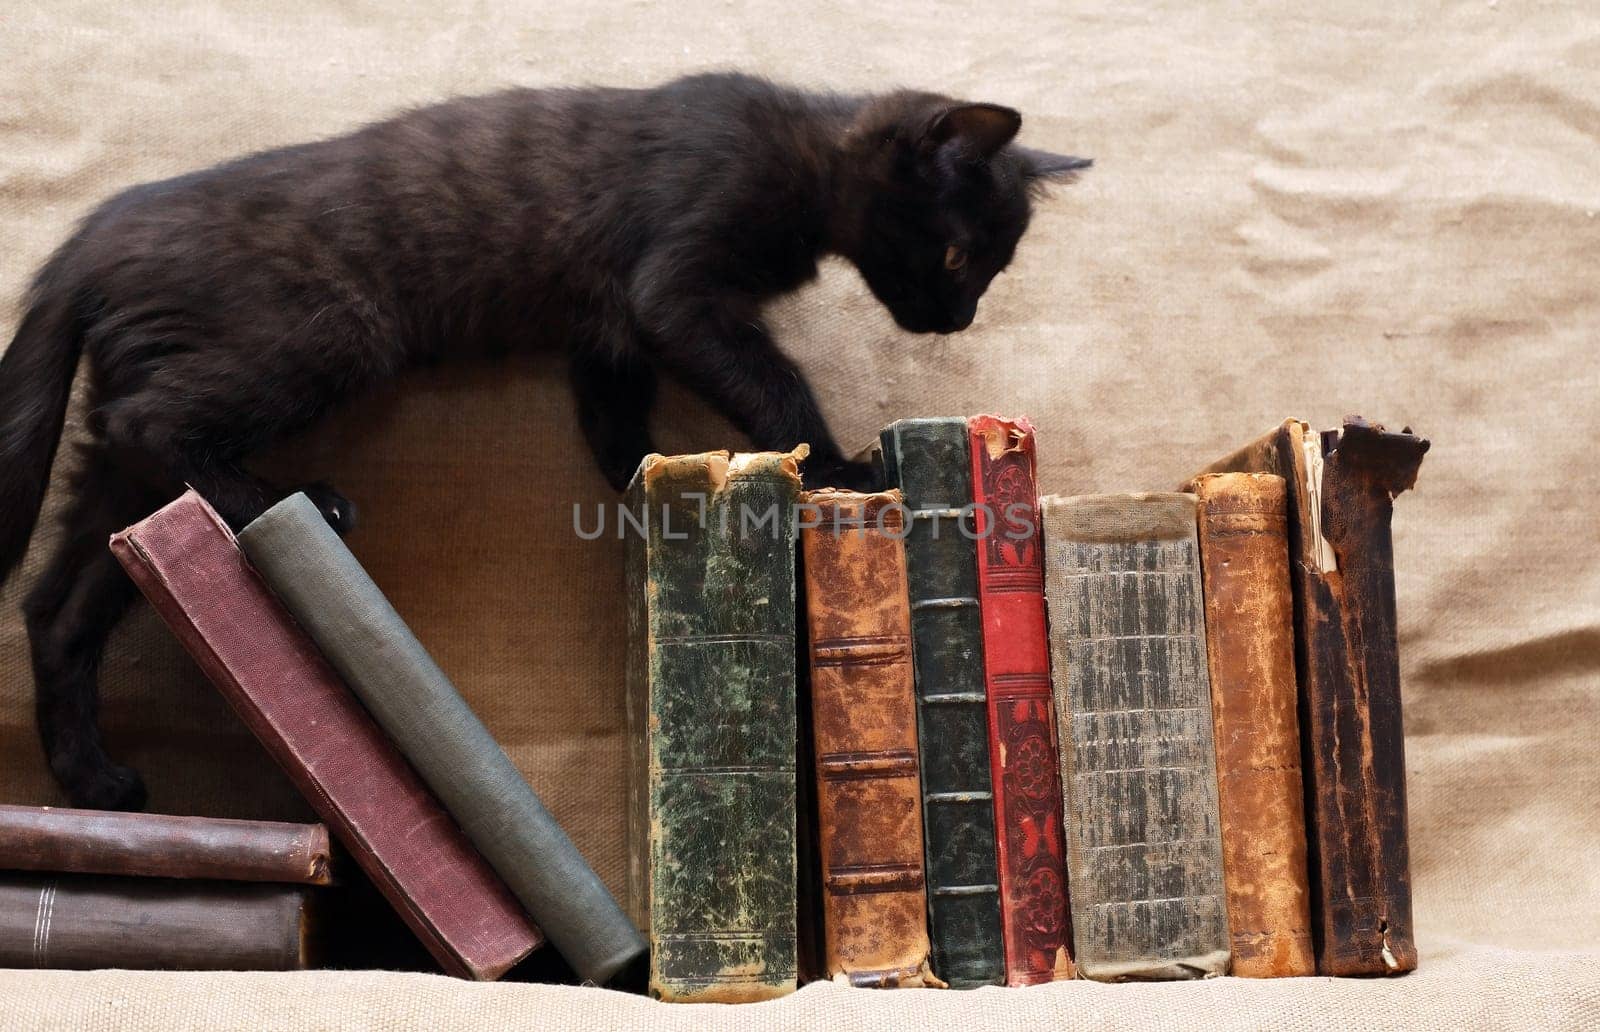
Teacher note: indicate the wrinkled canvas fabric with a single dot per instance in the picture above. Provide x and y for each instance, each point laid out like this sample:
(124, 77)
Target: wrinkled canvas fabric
(1457, 988)
(1308, 211)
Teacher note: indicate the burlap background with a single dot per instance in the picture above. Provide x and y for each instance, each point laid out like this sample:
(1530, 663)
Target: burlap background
(1306, 210)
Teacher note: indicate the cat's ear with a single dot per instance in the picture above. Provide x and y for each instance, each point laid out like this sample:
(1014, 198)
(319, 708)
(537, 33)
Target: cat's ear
(1044, 167)
(979, 129)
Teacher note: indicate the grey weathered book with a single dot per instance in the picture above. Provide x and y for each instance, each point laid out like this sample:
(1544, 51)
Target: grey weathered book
(323, 585)
(712, 723)
(930, 461)
(90, 921)
(1138, 770)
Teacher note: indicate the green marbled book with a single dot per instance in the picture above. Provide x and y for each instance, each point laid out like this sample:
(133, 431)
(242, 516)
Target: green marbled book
(712, 723)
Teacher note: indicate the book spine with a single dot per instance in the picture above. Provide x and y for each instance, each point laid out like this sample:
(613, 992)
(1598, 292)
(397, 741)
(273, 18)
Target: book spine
(1244, 558)
(928, 461)
(714, 724)
(334, 600)
(1025, 771)
(1138, 769)
(863, 717)
(42, 838)
(1352, 700)
(88, 921)
(185, 561)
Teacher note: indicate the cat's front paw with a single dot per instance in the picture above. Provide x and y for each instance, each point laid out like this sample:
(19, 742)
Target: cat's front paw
(842, 473)
(339, 511)
(619, 468)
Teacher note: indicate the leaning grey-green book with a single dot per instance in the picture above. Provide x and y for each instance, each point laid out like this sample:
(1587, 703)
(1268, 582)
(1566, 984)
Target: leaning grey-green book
(337, 603)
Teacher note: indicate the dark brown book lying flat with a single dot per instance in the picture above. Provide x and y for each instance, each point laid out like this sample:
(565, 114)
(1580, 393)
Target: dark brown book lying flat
(186, 562)
(47, 838)
(1341, 487)
(90, 921)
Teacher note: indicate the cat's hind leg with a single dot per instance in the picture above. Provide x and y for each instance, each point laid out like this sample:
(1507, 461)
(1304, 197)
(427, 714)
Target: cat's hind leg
(84, 592)
(70, 612)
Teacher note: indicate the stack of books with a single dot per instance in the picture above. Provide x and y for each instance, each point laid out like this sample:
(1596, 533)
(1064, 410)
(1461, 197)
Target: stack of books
(85, 889)
(1120, 737)
(319, 666)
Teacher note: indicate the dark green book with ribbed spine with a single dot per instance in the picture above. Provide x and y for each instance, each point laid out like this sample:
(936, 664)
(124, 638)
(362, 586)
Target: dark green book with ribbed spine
(331, 596)
(929, 461)
(712, 723)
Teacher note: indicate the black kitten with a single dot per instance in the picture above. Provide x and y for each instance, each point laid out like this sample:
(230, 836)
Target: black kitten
(643, 230)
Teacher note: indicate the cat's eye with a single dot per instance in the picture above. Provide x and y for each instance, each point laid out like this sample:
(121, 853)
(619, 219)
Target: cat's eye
(954, 257)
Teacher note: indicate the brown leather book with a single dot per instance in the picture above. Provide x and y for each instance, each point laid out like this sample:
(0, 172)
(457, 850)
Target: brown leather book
(1341, 486)
(185, 561)
(864, 721)
(89, 921)
(47, 838)
(1244, 562)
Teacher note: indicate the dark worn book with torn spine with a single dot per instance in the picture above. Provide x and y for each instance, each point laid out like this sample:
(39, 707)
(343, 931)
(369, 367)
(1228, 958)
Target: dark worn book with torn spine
(1138, 771)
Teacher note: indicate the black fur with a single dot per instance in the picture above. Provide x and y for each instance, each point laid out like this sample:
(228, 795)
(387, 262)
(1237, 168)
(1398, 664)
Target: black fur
(640, 230)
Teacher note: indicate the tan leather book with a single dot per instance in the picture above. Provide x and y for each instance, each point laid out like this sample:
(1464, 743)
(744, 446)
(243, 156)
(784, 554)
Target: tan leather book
(864, 722)
(1244, 563)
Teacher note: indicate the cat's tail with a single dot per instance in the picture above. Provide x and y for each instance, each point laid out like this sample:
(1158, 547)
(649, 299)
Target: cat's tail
(35, 382)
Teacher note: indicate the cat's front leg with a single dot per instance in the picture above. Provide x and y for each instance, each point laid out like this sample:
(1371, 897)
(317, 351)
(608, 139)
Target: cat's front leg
(734, 364)
(614, 400)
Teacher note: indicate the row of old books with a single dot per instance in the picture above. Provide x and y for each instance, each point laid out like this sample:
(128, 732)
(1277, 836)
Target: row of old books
(1139, 736)
(322, 670)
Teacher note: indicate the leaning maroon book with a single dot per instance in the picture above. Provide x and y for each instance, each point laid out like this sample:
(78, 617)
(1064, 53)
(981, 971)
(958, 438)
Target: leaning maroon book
(185, 561)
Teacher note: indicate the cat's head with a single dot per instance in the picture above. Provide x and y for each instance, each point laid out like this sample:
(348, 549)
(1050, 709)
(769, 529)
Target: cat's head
(934, 197)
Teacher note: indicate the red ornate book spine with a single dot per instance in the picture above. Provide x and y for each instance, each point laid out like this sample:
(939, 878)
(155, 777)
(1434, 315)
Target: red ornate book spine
(1022, 733)
(187, 564)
